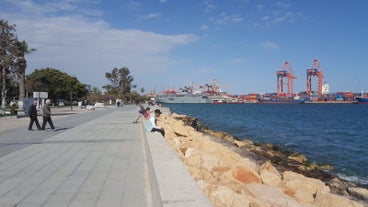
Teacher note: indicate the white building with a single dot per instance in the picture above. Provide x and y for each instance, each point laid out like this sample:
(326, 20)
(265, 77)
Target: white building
(325, 88)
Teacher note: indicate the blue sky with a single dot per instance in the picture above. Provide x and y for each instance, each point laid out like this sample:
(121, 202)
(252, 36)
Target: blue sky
(167, 43)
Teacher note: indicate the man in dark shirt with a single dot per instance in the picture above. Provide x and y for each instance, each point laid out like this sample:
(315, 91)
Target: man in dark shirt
(32, 113)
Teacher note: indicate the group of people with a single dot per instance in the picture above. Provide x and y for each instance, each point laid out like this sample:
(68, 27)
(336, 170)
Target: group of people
(151, 124)
(46, 115)
(145, 112)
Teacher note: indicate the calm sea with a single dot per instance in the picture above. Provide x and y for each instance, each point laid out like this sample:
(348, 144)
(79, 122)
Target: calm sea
(334, 134)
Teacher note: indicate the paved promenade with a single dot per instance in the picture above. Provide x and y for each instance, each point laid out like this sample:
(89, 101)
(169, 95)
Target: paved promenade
(92, 158)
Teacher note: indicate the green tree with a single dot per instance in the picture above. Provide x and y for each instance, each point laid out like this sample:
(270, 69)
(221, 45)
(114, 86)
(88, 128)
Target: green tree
(120, 83)
(59, 85)
(95, 90)
(142, 90)
(8, 51)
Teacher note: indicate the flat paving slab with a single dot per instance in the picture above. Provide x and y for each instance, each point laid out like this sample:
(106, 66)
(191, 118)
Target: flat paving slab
(100, 162)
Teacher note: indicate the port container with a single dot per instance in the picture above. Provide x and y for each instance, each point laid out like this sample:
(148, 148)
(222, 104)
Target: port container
(340, 97)
(349, 99)
(349, 95)
(331, 98)
(313, 97)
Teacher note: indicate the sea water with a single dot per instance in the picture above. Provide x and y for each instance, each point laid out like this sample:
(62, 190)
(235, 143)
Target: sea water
(335, 134)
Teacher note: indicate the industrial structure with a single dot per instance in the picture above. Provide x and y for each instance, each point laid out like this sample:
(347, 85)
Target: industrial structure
(286, 72)
(212, 92)
(315, 70)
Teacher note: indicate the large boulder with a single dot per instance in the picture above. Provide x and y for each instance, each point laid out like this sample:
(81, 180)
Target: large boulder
(265, 195)
(222, 196)
(361, 193)
(269, 174)
(245, 175)
(325, 199)
(301, 188)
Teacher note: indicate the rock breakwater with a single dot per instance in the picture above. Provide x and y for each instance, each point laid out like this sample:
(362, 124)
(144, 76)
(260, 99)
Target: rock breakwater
(240, 173)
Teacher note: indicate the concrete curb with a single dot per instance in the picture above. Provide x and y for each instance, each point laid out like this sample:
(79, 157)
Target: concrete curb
(155, 192)
(176, 186)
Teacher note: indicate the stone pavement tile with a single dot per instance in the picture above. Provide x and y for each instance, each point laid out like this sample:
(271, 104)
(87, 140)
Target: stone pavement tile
(59, 200)
(101, 162)
(134, 198)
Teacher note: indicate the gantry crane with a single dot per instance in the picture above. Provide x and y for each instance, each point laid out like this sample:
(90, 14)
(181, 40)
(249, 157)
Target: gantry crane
(315, 70)
(287, 73)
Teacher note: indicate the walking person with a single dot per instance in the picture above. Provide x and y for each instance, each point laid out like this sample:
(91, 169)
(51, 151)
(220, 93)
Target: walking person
(32, 113)
(47, 115)
(151, 124)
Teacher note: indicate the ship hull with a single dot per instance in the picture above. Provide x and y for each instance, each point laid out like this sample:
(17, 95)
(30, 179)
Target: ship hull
(362, 100)
(177, 99)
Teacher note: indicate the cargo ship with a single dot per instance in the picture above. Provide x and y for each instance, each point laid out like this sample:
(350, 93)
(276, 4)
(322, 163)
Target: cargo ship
(182, 98)
(362, 100)
(203, 94)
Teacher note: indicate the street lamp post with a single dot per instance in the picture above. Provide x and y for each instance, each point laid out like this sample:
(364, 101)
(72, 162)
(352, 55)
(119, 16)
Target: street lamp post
(71, 99)
(71, 94)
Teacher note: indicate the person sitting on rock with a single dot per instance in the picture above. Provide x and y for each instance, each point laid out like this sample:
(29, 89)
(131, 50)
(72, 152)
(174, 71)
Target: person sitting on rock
(151, 123)
(141, 112)
(195, 124)
(147, 113)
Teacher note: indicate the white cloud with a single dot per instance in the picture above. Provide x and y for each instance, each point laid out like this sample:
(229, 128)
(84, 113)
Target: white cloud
(163, 1)
(283, 5)
(260, 6)
(268, 45)
(238, 60)
(151, 16)
(204, 27)
(265, 18)
(209, 6)
(206, 70)
(287, 16)
(53, 6)
(134, 5)
(225, 18)
(89, 48)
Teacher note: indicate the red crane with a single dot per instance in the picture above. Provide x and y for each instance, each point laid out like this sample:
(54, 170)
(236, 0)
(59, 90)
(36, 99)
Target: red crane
(315, 70)
(287, 73)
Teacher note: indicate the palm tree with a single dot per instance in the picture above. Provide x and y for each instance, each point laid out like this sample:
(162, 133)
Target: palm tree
(7, 54)
(22, 65)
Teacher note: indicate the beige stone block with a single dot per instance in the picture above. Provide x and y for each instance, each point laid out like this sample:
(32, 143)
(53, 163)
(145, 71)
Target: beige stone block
(265, 195)
(222, 196)
(301, 188)
(269, 174)
(324, 199)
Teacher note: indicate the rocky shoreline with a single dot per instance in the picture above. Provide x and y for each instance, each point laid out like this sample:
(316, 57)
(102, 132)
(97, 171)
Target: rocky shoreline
(234, 172)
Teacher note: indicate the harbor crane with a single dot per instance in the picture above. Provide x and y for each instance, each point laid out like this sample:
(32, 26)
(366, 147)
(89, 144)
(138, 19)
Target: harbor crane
(286, 72)
(315, 70)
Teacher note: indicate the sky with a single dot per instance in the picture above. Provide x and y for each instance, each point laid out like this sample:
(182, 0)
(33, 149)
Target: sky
(173, 43)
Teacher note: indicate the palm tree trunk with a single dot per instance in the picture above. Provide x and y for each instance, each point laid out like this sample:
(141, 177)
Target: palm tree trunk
(3, 88)
(21, 86)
